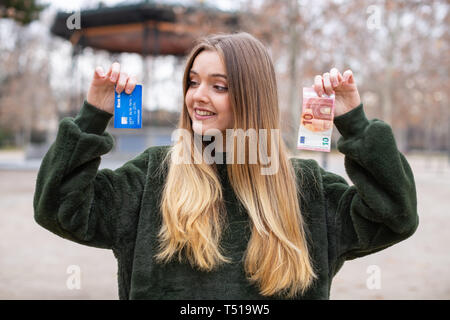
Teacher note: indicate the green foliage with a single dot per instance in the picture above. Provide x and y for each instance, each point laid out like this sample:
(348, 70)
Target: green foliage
(22, 11)
(6, 138)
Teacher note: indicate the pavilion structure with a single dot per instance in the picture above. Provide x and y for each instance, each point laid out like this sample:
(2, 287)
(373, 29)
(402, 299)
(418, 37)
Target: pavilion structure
(149, 28)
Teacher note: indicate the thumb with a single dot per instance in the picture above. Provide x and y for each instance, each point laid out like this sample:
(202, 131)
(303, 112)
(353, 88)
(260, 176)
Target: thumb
(348, 76)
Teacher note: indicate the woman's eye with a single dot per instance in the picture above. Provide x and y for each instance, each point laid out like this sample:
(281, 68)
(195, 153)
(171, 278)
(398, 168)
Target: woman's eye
(221, 88)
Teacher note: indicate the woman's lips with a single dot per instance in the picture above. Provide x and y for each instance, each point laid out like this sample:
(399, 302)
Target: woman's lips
(199, 117)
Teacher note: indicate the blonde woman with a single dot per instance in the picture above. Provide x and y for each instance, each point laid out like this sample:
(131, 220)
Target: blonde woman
(221, 230)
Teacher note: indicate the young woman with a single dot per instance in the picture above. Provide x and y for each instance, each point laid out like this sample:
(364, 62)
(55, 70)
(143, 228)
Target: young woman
(203, 230)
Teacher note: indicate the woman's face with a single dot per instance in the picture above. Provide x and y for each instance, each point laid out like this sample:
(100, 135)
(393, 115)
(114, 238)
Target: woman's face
(208, 90)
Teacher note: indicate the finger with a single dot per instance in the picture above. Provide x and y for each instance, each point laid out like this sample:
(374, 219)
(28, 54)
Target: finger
(114, 72)
(335, 78)
(131, 83)
(99, 73)
(108, 74)
(123, 77)
(348, 76)
(327, 84)
(111, 68)
(318, 85)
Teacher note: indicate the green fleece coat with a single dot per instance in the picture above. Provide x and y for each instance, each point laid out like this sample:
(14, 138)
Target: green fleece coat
(119, 209)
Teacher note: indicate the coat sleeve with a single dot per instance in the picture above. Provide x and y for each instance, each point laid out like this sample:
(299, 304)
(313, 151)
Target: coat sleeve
(74, 199)
(380, 208)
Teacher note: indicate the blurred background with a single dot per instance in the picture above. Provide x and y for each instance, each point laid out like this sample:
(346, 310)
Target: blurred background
(397, 50)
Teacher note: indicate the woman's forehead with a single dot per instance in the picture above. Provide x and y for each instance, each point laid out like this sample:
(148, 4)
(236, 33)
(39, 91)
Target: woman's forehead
(208, 63)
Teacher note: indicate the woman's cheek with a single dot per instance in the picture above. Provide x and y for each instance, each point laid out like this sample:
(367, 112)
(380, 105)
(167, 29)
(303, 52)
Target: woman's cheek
(227, 114)
(188, 102)
(230, 122)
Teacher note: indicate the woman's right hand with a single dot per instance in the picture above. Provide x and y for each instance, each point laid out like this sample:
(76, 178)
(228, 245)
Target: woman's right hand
(101, 91)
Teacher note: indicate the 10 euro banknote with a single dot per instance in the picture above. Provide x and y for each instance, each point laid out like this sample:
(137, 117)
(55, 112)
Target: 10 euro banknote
(316, 121)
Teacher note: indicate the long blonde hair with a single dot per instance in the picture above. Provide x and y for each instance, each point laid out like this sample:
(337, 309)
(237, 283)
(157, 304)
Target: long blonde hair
(276, 258)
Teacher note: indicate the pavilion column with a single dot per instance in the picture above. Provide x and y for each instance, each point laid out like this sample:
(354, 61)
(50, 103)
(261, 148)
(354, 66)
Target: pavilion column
(145, 66)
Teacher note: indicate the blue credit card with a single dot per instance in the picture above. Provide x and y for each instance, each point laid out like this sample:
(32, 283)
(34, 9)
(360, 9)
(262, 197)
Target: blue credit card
(128, 109)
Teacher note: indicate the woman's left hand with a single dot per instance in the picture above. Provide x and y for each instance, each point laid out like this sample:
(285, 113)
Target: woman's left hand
(343, 87)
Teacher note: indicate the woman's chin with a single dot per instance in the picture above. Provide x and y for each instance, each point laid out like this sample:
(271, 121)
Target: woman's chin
(205, 130)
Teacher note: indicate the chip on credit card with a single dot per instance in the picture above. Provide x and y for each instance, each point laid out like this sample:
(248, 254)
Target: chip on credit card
(128, 109)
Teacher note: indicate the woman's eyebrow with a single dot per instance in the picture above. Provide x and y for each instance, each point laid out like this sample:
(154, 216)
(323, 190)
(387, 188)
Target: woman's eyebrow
(212, 75)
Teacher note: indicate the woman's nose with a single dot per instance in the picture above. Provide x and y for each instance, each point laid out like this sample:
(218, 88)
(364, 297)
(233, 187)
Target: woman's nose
(201, 93)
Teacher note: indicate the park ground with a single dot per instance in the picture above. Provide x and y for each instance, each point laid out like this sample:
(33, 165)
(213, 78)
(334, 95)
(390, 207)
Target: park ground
(36, 264)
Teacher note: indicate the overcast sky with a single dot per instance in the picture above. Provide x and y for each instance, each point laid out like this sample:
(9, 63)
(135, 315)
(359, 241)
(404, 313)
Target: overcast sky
(84, 4)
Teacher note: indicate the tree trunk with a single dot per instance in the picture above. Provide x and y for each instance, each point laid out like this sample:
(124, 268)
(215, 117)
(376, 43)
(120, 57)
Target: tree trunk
(293, 100)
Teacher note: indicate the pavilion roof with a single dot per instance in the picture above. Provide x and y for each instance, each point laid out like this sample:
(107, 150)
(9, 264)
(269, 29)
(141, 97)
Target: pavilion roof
(147, 28)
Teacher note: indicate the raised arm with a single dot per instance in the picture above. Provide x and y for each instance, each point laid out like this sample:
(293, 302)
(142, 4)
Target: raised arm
(72, 198)
(380, 209)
